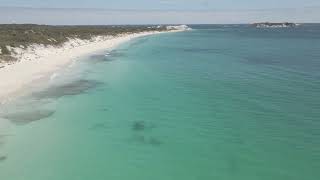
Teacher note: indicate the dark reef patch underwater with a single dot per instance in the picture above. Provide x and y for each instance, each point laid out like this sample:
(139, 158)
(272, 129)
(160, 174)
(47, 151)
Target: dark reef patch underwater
(22, 118)
(72, 88)
(3, 158)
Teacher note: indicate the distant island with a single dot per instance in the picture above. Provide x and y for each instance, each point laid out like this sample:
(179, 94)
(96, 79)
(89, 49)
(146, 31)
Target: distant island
(274, 25)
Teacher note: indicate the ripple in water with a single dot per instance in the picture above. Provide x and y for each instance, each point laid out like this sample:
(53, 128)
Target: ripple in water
(206, 50)
(98, 127)
(107, 57)
(100, 58)
(148, 140)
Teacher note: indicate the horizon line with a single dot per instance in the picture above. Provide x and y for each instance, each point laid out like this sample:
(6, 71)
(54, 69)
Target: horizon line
(159, 10)
(161, 24)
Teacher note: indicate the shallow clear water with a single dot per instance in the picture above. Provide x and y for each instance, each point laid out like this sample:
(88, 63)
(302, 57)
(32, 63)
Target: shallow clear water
(218, 102)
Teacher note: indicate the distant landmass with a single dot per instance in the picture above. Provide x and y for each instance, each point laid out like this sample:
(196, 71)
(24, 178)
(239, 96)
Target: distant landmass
(274, 25)
(20, 37)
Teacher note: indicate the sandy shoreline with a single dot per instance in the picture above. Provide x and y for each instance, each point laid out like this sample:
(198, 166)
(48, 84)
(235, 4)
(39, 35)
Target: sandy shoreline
(37, 61)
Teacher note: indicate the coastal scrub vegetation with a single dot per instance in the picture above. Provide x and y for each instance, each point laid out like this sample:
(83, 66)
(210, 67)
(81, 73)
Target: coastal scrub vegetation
(22, 35)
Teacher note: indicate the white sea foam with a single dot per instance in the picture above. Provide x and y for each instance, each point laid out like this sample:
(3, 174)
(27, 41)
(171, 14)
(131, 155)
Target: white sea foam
(179, 28)
(53, 76)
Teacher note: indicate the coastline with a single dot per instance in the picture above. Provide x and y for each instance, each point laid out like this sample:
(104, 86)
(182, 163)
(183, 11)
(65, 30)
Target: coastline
(37, 61)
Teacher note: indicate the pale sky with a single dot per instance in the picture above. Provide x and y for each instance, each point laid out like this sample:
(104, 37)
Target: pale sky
(164, 4)
(157, 11)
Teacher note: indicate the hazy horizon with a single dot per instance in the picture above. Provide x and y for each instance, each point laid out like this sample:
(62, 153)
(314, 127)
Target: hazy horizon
(117, 16)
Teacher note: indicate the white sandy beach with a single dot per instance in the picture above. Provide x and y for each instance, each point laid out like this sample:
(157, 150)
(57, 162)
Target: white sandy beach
(38, 61)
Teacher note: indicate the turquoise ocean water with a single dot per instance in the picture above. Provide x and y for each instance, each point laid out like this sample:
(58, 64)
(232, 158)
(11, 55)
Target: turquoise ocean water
(218, 102)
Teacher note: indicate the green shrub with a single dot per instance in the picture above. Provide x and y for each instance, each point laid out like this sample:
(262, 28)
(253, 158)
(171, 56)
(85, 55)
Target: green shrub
(4, 50)
(16, 35)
